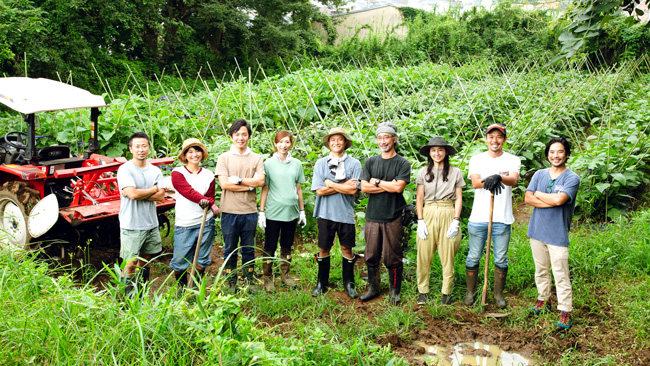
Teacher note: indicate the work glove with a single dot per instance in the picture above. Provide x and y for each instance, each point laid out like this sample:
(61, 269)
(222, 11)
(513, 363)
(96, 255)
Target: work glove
(204, 203)
(422, 230)
(261, 220)
(302, 220)
(453, 229)
(234, 179)
(493, 184)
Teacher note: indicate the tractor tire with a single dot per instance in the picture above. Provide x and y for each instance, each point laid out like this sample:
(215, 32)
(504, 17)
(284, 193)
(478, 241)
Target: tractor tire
(16, 202)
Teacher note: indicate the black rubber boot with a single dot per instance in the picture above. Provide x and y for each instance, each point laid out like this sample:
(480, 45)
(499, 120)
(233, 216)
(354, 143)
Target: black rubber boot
(500, 275)
(128, 285)
(373, 284)
(181, 282)
(447, 300)
(348, 276)
(249, 278)
(231, 278)
(395, 275)
(323, 277)
(471, 275)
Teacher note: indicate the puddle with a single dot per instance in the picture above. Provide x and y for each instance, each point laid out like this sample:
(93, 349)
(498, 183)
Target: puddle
(475, 353)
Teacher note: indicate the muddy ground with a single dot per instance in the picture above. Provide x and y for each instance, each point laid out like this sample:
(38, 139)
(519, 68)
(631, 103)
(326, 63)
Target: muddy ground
(591, 336)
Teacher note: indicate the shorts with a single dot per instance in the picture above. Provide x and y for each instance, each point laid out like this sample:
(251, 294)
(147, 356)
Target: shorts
(136, 242)
(327, 229)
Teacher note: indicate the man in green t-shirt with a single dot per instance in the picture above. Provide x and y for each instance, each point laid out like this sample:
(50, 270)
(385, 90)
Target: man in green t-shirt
(383, 178)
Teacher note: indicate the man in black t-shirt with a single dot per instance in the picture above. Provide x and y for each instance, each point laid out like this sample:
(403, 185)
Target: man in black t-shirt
(383, 178)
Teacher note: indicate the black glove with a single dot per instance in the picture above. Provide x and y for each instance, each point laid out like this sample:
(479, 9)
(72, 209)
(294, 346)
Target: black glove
(493, 184)
(204, 203)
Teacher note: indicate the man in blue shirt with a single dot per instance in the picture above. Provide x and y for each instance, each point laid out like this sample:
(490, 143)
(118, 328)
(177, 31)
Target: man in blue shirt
(552, 192)
(336, 181)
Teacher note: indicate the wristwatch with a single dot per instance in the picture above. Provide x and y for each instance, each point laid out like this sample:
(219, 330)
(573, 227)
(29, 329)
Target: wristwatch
(377, 182)
(240, 179)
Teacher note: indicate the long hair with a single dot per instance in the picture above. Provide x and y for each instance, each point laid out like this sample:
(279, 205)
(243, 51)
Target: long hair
(445, 169)
(279, 136)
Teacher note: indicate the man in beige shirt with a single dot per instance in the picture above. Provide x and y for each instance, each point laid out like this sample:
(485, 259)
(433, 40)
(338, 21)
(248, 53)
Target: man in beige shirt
(239, 171)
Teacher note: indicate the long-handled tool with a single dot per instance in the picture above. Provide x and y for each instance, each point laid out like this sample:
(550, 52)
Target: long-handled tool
(487, 254)
(198, 247)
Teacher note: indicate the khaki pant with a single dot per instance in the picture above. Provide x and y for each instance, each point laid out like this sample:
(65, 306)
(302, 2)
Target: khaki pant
(551, 256)
(437, 215)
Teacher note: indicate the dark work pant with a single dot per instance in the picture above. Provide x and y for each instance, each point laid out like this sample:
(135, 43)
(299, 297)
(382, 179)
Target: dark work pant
(238, 231)
(285, 230)
(384, 238)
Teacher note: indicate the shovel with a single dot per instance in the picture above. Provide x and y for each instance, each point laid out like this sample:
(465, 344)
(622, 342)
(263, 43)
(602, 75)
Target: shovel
(198, 247)
(487, 254)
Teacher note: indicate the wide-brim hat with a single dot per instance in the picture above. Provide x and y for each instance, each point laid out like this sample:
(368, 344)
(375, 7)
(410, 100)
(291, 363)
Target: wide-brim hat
(437, 141)
(337, 131)
(192, 142)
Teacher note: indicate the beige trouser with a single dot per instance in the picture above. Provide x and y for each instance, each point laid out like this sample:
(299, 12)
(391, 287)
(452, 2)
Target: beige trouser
(437, 215)
(551, 256)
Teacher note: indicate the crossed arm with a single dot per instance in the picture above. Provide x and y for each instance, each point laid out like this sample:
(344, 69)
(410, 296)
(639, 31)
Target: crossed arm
(347, 187)
(149, 194)
(254, 182)
(393, 186)
(545, 200)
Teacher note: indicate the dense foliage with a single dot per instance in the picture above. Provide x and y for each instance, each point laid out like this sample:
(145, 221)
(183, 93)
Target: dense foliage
(601, 112)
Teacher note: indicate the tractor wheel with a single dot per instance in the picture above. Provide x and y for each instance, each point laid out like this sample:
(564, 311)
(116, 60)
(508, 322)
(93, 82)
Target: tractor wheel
(16, 201)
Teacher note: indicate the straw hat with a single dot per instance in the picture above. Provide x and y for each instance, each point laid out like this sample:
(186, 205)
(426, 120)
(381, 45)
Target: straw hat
(437, 141)
(192, 142)
(337, 131)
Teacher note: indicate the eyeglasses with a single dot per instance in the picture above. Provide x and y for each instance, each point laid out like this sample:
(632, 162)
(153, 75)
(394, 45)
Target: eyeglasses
(549, 188)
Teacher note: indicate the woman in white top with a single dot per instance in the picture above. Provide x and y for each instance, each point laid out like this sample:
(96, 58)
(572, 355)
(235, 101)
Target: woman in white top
(439, 200)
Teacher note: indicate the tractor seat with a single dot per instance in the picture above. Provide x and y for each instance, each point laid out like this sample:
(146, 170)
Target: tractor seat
(58, 155)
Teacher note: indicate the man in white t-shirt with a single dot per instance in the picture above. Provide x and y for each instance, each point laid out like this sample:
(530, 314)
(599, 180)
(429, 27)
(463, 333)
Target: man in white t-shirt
(493, 172)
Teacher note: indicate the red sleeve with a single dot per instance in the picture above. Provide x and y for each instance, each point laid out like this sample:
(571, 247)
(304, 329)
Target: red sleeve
(185, 189)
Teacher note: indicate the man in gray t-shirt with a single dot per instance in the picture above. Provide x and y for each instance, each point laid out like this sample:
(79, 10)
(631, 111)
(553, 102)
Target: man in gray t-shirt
(141, 185)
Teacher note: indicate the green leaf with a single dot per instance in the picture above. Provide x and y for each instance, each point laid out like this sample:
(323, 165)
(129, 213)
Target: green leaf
(602, 187)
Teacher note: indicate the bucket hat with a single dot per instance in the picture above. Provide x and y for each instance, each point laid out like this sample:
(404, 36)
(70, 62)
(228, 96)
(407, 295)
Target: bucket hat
(437, 141)
(337, 131)
(192, 142)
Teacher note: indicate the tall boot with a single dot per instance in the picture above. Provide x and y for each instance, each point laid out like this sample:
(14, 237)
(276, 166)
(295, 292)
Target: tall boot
(267, 274)
(373, 284)
(249, 273)
(395, 275)
(323, 278)
(348, 276)
(500, 275)
(471, 275)
(181, 282)
(285, 267)
(128, 285)
(231, 277)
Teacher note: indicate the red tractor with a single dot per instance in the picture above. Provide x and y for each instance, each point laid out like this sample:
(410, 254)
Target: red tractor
(46, 193)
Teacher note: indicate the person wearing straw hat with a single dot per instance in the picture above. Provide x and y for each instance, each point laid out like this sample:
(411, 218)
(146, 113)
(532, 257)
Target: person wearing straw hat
(336, 181)
(141, 185)
(281, 199)
(194, 186)
(383, 179)
(493, 172)
(552, 192)
(439, 200)
(239, 171)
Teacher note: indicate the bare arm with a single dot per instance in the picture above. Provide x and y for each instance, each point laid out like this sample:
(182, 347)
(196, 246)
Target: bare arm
(419, 201)
(226, 185)
(139, 194)
(301, 203)
(530, 199)
(254, 182)
(553, 199)
(347, 187)
(263, 196)
(394, 186)
(458, 205)
(158, 196)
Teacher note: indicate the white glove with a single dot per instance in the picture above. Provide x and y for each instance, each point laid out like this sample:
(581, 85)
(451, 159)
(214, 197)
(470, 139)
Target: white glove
(302, 220)
(422, 230)
(234, 179)
(453, 229)
(261, 220)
